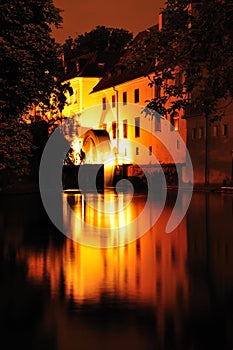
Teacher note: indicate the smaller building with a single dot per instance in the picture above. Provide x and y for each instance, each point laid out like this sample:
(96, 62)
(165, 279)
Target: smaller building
(212, 151)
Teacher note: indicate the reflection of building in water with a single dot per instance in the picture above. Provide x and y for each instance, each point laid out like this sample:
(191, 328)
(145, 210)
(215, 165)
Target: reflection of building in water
(149, 272)
(162, 280)
(110, 211)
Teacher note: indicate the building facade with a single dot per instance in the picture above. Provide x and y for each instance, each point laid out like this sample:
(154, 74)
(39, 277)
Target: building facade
(116, 103)
(210, 145)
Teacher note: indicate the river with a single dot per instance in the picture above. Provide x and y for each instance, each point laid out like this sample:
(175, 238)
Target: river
(161, 291)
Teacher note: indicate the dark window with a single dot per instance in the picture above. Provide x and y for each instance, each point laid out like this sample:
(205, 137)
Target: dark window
(157, 91)
(158, 123)
(104, 103)
(137, 151)
(150, 150)
(105, 126)
(137, 126)
(224, 130)
(125, 129)
(136, 95)
(113, 101)
(125, 98)
(114, 129)
(193, 133)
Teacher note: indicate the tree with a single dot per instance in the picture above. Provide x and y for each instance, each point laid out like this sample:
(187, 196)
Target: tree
(195, 45)
(195, 40)
(99, 39)
(29, 73)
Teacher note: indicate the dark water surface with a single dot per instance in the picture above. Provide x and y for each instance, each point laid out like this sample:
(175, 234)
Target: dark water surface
(163, 291)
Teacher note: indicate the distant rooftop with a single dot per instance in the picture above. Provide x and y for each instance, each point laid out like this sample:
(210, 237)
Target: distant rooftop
(119, 73)
(93, 64)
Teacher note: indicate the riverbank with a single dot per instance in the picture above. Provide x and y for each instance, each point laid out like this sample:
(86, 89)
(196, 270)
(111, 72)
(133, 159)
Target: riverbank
(29, 188)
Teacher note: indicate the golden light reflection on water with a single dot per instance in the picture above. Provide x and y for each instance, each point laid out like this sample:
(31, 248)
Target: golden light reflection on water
(109, 219)
(167, 280)
(110, 211)
(149, 271)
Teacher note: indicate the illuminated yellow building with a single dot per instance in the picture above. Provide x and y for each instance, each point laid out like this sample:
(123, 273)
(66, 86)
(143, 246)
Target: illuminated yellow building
(115, 103)
(135, 136)
(80, 99)
(82, 73)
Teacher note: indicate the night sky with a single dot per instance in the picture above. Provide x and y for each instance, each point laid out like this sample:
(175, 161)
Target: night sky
(80, 16)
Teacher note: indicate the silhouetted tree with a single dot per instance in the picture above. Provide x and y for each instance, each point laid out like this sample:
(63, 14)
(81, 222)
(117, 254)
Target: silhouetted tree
(196, 40)
(29, 73)
(99, 39)
(193, 59)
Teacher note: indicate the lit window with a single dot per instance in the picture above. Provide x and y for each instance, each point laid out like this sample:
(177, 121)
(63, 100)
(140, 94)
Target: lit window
(104, 103)
(136, 95)
(174, 120)
(215, 130)
(75, 96)
(137, 151)
(113, 101)
(114, 129)
(200, 133)
(137, 126)
(125, 98)
(125, 129)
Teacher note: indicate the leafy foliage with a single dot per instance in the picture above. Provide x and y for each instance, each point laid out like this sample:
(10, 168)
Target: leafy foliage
(99, 39)
(15, 140)
(195, 41)
(29, 73)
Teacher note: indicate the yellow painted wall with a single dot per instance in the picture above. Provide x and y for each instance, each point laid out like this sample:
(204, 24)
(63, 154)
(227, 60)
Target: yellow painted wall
(99, 118)
(80, 99)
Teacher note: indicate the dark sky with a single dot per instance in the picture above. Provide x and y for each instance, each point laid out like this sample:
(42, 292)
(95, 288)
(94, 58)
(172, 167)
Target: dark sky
(80, 16)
